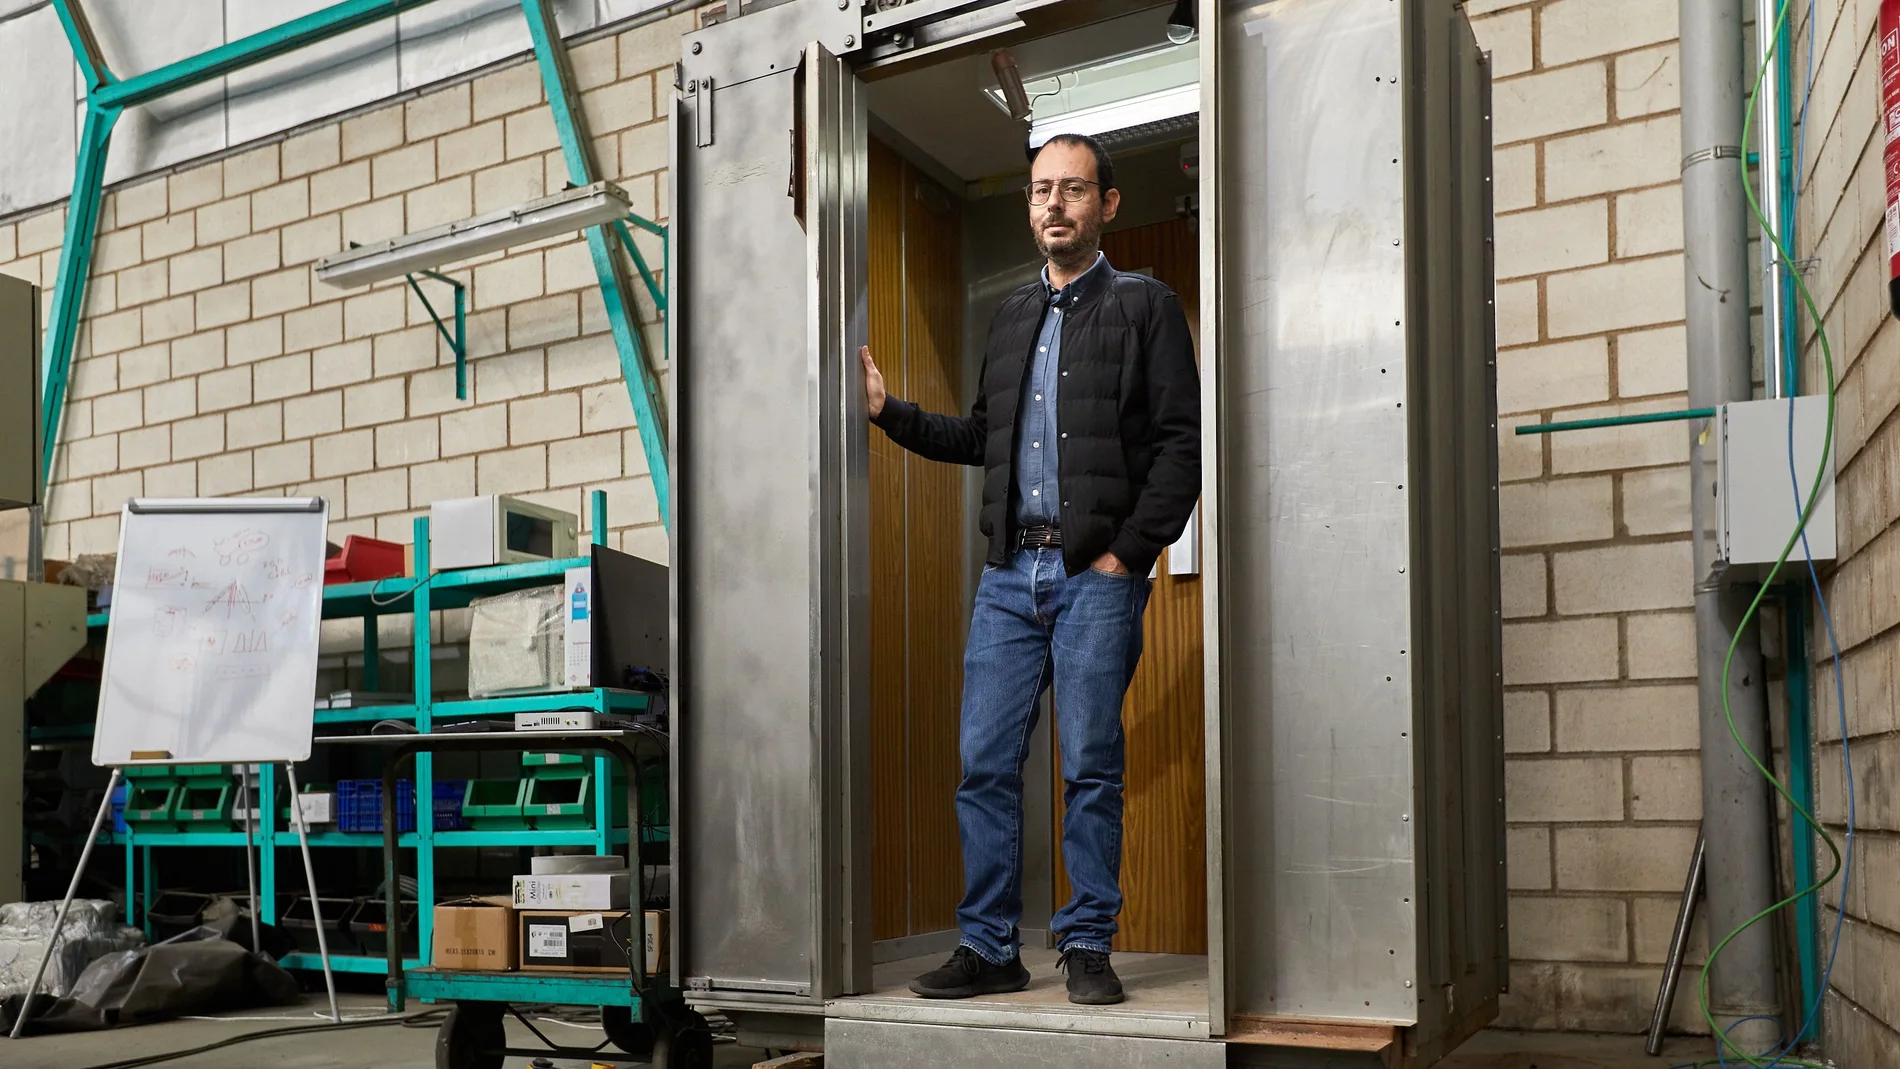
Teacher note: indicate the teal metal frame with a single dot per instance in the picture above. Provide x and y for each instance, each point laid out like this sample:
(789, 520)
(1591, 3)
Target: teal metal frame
(577, 150)
(107, 97)
(368, 600)
(458, 342)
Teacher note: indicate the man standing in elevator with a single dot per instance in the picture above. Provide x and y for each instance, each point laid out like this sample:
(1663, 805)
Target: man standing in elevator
(1087, 424)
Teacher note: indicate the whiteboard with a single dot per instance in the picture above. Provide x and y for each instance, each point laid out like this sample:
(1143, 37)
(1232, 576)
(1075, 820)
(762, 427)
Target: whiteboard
(212, 652)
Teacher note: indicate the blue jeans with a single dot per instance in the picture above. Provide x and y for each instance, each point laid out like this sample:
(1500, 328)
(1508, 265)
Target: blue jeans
(1034, 625)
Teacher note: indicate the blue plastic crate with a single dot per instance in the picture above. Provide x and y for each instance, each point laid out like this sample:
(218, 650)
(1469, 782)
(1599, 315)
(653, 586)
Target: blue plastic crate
(359, 805)
(448, 804)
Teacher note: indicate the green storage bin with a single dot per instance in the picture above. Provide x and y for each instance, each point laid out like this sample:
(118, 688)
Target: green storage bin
(150, 805)
(205, 804)
(495, 804)
(560, 802)
(556, 765)
(203, 775)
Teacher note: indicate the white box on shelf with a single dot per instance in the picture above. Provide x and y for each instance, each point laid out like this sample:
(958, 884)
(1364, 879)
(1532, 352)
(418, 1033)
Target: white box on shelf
(556, 720)
(476, 532)
(590, 890)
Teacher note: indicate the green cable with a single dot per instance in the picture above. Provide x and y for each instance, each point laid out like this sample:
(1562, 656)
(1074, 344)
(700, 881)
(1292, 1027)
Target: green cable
(1827, 355)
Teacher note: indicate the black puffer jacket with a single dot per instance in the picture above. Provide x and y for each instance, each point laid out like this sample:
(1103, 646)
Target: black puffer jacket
(1129, 410)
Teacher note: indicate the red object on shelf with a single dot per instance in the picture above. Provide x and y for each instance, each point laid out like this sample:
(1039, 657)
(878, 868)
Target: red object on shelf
(363, 559)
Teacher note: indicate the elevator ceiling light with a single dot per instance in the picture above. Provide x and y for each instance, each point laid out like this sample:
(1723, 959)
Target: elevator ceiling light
(563, 213)
(1181, 27)
(1155, 90)
(1154, 115)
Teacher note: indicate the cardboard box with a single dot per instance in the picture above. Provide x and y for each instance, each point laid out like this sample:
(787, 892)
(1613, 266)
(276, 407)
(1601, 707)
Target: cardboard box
(590, 941)
(575, 891)
(656, 942)
(476, 934)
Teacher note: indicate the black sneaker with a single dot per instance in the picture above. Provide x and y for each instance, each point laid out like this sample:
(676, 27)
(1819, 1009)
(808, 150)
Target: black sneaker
(1092, 980)
(967, 975)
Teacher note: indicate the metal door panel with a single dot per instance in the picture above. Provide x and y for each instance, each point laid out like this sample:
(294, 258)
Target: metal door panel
(770, 444)
(1311, 433)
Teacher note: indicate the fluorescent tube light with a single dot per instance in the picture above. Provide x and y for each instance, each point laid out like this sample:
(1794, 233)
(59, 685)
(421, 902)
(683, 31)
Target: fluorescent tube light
(1152, 110)
(563, 213)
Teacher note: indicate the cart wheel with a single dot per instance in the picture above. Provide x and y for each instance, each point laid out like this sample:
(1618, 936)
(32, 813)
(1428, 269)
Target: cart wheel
(634, 1037)
(471, 1037)
(686, 1045)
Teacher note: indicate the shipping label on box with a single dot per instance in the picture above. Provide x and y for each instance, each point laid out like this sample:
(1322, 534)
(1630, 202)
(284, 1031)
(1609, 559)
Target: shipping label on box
(577, 891)
(475, 933)
(578, 611)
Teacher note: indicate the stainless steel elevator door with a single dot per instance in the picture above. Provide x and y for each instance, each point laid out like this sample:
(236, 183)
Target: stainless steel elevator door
(769, 444)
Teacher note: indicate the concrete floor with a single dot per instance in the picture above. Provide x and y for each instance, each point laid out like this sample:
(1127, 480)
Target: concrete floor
(414, 1048)
(393, 1047)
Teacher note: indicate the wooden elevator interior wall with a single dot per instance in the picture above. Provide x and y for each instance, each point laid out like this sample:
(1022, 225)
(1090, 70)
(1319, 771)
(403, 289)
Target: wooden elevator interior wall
(1164, 820)
(918, 528)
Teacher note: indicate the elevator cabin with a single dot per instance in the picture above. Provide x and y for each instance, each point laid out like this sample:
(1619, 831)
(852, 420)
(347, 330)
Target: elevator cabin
(1312, 854)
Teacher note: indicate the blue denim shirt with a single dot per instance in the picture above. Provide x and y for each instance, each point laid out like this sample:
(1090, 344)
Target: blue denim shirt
(1037, 493)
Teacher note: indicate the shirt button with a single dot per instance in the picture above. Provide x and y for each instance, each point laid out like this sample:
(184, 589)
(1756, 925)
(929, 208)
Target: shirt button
(1065, 434)
(1044, 349)
(1035, 493)
(1038, 397)
(1065, 374)
(1035, 445)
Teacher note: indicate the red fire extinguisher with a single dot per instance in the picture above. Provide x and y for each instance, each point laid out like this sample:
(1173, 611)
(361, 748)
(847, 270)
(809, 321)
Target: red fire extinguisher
(1890, 120)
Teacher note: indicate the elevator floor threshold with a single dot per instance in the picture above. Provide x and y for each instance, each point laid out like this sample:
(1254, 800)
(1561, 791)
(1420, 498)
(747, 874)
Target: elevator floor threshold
(1167, 999)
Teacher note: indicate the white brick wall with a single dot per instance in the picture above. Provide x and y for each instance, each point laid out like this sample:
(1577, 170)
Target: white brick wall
(1599, 660)
(212, 363)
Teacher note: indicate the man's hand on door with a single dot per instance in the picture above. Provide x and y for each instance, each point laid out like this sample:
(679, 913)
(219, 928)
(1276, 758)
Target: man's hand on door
(873, 382)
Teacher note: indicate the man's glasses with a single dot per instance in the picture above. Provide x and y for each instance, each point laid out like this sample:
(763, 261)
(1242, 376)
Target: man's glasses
(1072, 190)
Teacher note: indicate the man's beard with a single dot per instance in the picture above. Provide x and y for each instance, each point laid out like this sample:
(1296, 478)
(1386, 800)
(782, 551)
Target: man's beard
(1078, 249)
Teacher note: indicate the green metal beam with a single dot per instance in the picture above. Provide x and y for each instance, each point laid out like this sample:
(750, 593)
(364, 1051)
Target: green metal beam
(1618, 421)
(92, 63)
(640, 263)
(69, 289)
(643, 384)
(288, 37)
(458, 342)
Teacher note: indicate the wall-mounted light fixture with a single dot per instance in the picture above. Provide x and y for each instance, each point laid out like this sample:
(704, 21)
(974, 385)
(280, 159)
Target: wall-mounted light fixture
(567, 212)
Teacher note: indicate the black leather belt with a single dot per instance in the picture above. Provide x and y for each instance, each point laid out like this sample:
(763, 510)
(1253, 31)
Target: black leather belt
(1039, 538)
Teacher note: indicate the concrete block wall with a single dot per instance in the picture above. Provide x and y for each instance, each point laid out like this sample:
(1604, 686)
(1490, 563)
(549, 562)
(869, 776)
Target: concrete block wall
(1602, 780)
(212, 362)
(1841, 228)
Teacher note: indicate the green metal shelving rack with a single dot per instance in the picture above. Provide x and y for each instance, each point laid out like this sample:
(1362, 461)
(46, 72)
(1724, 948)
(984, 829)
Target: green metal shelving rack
(420, 598)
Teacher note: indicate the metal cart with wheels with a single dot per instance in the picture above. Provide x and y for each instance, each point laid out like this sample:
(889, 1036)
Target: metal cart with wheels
(642, 1016)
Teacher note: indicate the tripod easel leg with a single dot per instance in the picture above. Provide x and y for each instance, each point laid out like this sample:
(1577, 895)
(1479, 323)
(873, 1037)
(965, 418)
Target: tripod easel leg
(310, 875)
(250, 859)
(66, 904)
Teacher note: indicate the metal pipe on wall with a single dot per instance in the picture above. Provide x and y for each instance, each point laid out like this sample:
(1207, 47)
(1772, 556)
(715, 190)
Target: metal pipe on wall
(1769, 180)
(1734, 796)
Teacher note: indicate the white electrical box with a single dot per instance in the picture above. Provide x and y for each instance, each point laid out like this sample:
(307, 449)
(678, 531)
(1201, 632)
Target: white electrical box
(1760, 494)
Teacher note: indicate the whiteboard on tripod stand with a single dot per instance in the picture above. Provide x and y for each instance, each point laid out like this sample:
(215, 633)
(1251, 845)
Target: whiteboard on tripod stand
(211, 656)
